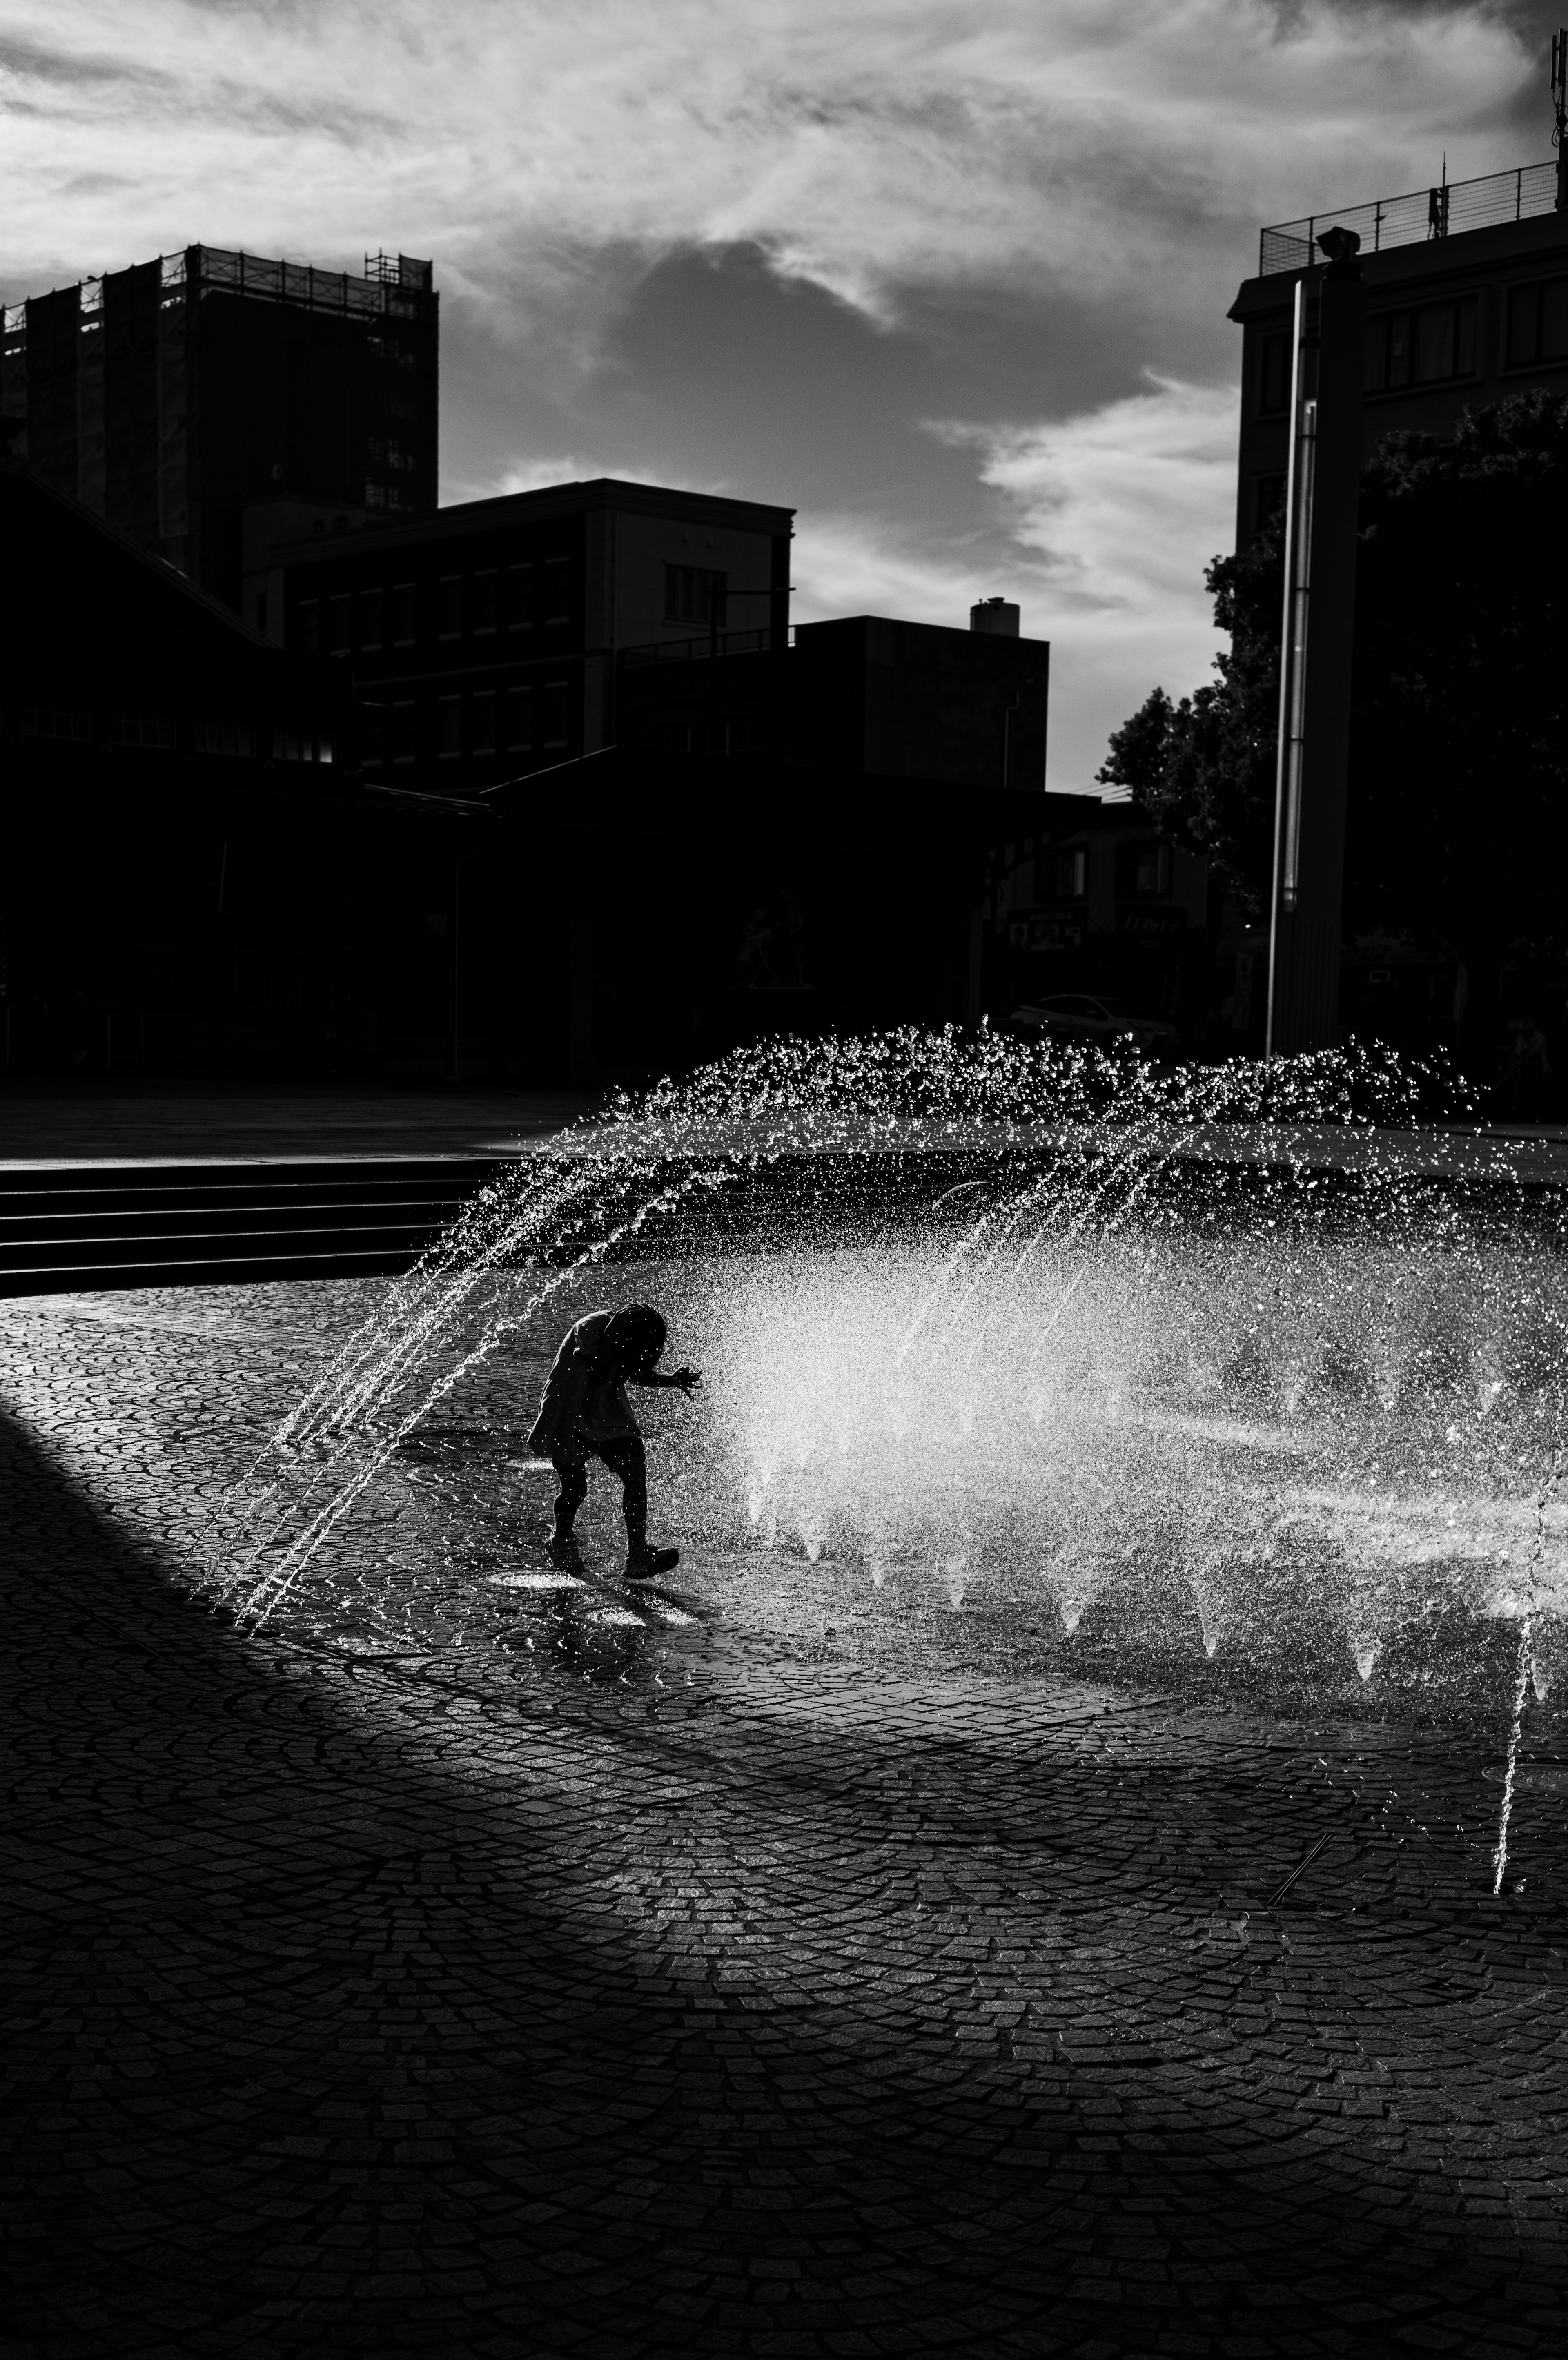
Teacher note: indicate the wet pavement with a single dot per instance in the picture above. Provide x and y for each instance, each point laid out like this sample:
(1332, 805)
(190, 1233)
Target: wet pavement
(472, 1963)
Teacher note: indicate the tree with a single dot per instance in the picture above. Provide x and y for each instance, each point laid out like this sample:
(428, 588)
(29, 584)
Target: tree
(1458, 811)
(1205, 767)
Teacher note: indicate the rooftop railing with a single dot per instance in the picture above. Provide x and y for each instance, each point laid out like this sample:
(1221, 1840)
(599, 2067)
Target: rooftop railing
(1410, 220)
(389, 286)
(729, 643)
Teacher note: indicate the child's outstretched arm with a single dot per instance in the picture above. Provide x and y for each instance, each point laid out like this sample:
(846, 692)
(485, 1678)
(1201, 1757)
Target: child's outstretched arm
(688, 1380)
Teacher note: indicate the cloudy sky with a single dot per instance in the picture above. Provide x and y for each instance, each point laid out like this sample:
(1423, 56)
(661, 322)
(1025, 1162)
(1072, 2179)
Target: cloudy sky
(949, 276)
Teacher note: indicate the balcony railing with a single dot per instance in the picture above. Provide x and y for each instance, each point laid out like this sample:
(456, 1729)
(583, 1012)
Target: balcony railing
(1411, 220)
(729, 643)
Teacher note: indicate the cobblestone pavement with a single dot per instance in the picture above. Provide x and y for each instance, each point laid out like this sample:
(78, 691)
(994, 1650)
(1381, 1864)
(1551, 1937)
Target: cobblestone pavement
(772, 1998)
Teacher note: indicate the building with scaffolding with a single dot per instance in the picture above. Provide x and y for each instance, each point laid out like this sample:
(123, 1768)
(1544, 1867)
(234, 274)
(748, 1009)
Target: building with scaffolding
(1466, 301)
(169, 397)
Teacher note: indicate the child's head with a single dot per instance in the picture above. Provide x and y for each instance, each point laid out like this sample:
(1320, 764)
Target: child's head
(635, 1337)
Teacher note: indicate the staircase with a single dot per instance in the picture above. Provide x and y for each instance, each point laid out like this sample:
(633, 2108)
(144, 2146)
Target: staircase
(71, 1228)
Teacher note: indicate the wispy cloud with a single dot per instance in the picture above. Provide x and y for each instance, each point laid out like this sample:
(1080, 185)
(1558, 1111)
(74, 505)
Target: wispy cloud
(1103, 524)
(1110, 162)
(896, 143)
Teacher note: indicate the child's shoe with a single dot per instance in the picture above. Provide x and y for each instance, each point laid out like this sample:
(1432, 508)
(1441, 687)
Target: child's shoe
(647, 1565)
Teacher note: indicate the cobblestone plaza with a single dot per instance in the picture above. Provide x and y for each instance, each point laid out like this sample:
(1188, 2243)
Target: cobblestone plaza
(760, 1967)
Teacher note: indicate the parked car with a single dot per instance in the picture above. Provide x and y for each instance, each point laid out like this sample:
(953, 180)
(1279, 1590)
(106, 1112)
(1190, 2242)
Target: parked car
(1075, 1016)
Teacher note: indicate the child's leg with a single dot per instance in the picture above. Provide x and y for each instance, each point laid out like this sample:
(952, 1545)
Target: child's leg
(572, 1477)
(627, 1459)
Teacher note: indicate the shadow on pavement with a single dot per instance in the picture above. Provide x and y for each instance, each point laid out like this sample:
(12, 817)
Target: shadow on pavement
(371, 2022)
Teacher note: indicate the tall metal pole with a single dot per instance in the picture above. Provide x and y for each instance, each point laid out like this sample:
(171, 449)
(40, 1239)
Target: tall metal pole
(1316, 650)
(1559, 106)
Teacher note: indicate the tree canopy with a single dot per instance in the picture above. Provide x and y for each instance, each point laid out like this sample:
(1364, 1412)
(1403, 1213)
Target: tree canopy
(1458, 814)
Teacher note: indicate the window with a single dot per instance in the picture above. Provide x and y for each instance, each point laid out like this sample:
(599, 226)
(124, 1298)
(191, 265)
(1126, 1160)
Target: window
(1538, 323)
(554, 713)
(691, 595)
(451, 605)
(52, 721)
(451, 728)
(1143, 870)
(261, 612)
(1062, 876)
(520, 597)
(225, 738)
(558, 590)
(483, 718)
(371, 604)
(140, 729)
(294, 741)
(482, 601)
(520, 719)
(1267, 499)
(1425, 346)
(310, 626)
(405, 615)
(337, 625)
(1273, 374)
(373, 735)
(403, 730)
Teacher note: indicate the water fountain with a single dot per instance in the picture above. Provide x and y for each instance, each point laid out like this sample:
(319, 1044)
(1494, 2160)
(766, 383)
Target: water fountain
(1238, 1373)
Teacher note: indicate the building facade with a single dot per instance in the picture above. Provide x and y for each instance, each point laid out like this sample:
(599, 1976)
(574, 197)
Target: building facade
(1466, 301)
(166, 397)
(191, 879)
(484, 640)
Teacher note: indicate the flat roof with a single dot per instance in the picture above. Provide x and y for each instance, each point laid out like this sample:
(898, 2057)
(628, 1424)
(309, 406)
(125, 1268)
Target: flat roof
(602, 493)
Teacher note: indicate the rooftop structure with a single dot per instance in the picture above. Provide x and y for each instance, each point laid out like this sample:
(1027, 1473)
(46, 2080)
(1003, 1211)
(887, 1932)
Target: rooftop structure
(1466, 302)
(1423, 213)
(165, 396)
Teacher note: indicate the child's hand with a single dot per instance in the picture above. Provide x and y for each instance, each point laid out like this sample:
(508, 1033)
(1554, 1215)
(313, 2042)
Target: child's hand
(687, 1379)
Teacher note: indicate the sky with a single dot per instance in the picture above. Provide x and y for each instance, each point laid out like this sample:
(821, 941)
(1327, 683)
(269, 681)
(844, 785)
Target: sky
(948, 277)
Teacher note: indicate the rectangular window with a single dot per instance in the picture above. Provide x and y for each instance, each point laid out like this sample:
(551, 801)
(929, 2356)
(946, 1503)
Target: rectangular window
(405, 615)
(451, 605)
(1429, 346)
(692, 596)
(1554, 320)
(1062, 876)
(483, 722)
(1267, 499)
(373, 736)
(558, 590)
(520, 720)
(1435, 343)
(1143, 870)
(1273, 374)
(451, 728)
(403, 730)
(371, 604)
(294, 741)
(225, 738)
(555, 714)
(1537, 323)
(143, 729)
(520, 597)
(337, 625)
(261, 612)
(53, 721)
(309, 612)
(482, 601)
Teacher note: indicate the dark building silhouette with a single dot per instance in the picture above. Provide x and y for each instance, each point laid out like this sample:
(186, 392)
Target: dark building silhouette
(483, 641)
(637, 911)
(169, 395)
(1466, 301)
(190, 878)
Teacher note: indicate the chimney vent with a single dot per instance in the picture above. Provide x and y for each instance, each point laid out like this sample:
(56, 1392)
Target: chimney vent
(997, 615)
